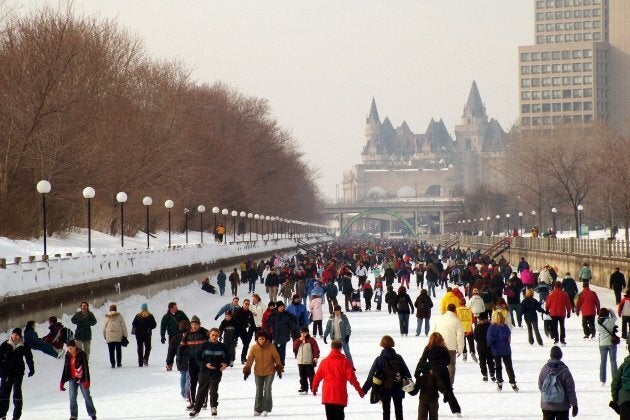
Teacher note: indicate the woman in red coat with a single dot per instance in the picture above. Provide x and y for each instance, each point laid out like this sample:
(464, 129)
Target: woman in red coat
(558, 305)
(335, 370)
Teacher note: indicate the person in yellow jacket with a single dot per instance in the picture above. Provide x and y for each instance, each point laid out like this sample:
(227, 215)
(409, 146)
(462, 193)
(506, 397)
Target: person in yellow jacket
(465, 316)
(449, 297)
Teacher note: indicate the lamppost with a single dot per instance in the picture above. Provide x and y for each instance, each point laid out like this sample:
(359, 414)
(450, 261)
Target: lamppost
(553, 215)
(89, 193)
(579, 229)
(169, 205)
(498, 223)
(507, 216)
(520, 214)
(533, 214)
(225, 212)
(242, 224)
(234, 214)
(121, 197)
(186, 211)
(250, 216)
(201, 209)
(488, 222)
(474, 226)
(267, 219)
(44, 187)
(215, 211)
(257, 217)
(147, 201)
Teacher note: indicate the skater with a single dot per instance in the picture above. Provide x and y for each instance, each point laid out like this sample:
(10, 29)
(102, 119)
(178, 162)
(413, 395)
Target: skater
(588, 305)
(76, 373)
(423, 305)
(486, 361)
(452, 334)
(378, 294)
(142, 325)
(391, 298)
(559, 306)
(170, 322)
(13, 353)
(316, 316)
(35, 343)
(221, 279)
(266, 360)
(404, 307)
(338, 327)
(212, 362)
(530, 308)
(306, 353)
(84, 320)
(608, 341)
(617, 282)
(114, 332)
(555, 370)
(227, 328)
(368, 292)
(498, 338)
(190, 348)
(466, 318)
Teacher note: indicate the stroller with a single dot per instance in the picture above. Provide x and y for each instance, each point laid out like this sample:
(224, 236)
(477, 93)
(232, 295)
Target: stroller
(355, 300)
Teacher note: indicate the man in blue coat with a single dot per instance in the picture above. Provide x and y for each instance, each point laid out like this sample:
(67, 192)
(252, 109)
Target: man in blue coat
(299, 312)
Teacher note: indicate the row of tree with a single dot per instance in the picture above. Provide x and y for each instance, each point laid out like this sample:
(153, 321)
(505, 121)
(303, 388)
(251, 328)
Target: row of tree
(82, 104)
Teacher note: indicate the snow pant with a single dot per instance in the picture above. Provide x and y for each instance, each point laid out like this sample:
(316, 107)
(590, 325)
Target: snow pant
(193, 373)
(263, 400)
(378, 303)
(604, 351)
(246, 338)
(8, 384)
(144, 349)
(45, 348)
(532, 328)
(307, 372)
(507, 360)
(617, 295)
(391, 307)
(555, 415)
(555, 322)
(588, 325)
(282, 350)
(334, 411)
(451, 366)
(403, 322)
(516, 307)
(428, 410)
(73, 388)
(115, 353)
(184, 383)
(427, 327)
(625, 321)
(332, 302)
(368, 304)
(317, 326)
(84, 345)
(431, 287)
(252, 285)
(386, 402)
(469, 341)
(207, 382)
(486, 363)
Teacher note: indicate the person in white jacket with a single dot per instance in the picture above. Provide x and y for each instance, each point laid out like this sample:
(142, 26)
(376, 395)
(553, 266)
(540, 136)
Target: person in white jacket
(257, 309)
(114, 331)
(476, 304)
(450, 327)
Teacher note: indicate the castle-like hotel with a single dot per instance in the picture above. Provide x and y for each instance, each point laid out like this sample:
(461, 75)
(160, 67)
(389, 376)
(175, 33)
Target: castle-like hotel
(400, 164)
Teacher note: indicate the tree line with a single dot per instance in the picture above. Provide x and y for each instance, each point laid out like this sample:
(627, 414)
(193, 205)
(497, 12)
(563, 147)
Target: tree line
(83, 104)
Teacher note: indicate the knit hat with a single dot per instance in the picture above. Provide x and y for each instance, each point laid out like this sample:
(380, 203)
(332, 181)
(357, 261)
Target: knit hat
(196, 319)
(555, 353)
(144, 307)
(17, 331)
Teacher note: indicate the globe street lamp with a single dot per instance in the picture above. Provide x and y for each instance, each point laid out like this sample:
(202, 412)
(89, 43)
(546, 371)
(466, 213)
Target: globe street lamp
(257, 217)
(169, 205)
(553, 215)
(225, 212)
(215, 211)
(520, 214)
(498, 222)
(147, 201)
(242, 224)
(267, 218)
(89, 193)
(250, 216)
(121, 197)
(234, 214)
(201, 209)
(186, 211)
(533, 214)
(579, 230)
(507, 216)
(44, 187)
(488, 223)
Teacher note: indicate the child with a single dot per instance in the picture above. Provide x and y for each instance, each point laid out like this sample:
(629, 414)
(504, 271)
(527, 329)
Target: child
(391, 298)
(427, 384)
(306, 352)
(355, 299)
(367, 295)
(486, 361)
(547, 322)
(228, 331)
(378, 293)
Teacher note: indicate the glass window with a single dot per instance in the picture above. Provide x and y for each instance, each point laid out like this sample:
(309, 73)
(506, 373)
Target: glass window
(540, 4)
(536, 94)
(549, 3)
(558, 3)
(588, 80)
(556, 119)
(566, 80)
(546, 56)
(577, 26)
(597, 1)
(559, 26)
(586, 13)
(588, 36)
(555, 81)
(577, 118)
(525, 109)
(549, 27)
(577, 14)
(566, 55)
(540, 27)
(597, 36)
(577, 66)
(568, 14)
(535, 69)
(526, 95)
(549, 39)
(597, 24)
(588, 92)
(549, 15)
(566, 106)
(556, 68)
(588, 118)
(524, 56)
(577, 2)
(535, 82)
(558, 15)
(540, 16)
(556, 55)
(566, 68)
(587, 66)
(568, 38)
(524, 69)
(588, 106)
(586, 2)
(535, 56)
(556, 107)
(568, 26)
(546, 81)
(526, 121)
(577, 37)
(577, 80)
(546, 120)
(559, 38)
(597, 12)
(536, 108)
(566, 93)
(577, 106)
(525, 83)
(568, 2)
(546, 94)
(587, 53)
(577, 93)
(555, 94)
(588, 24)
(536, 121)
(540, 39)
(577, 53)
(546, 68)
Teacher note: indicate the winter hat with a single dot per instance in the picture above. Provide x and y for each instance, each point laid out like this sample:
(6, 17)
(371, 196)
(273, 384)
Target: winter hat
(144, 307)
(17, 331)
(279, 304)
(196, 319)
(555, 353)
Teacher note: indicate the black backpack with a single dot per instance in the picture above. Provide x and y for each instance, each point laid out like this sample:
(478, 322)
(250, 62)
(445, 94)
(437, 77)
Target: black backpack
(66, 335)
(392, 375)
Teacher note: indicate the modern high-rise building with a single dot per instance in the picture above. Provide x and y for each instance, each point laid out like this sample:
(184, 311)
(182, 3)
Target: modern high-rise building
(578, 68)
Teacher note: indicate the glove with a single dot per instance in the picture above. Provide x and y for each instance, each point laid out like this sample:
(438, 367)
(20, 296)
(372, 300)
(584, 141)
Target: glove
(615, 406)
(574, 411)
(245, 376)
(279, 370)
(362, 393)
(325, 342)
(163, 340)
(315, 392)
(31, 373)
(169, 367)
(86, 384)
(347, 339)
(61, 387)
(415, 391)
(569, 316)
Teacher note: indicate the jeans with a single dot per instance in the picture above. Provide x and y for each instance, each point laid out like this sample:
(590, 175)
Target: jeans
(263, 401)
(346, 350)
(144, 349)
(115, 347)
(184, 383)
(73, 388)
(604, 351)
(85, 346)
(252, 286)
(625, 321)
(403, 322)
(45, 348)
(8, 384)
(222, 289)
(431, 287)
(419, 326)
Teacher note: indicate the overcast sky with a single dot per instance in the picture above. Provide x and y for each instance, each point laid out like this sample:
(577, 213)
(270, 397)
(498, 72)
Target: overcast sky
(320, 62)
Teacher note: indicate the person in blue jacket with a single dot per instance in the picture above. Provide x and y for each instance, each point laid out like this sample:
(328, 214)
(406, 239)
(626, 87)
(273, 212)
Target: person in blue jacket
(221, 279)
(299, 311)
(232, 307)
(498, 339)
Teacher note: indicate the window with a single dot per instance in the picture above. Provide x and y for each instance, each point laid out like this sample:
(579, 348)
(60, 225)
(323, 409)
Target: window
(577, 2)
(549, 39)
(586, 13)
(556, 107)
(549, 3)
(526, 95)
(559, 26)
(597, 1)
(588, 24)
(540, 4)
(546, 68)
(587, 53)
(540, 16)
(568, 14)
(535, 69)
(588, 36)
(540, 39)
(549, 27)
(546, 120)
(577, 66)
(577, 80)
(558, 15)
(568, 2)
(588, 92)
(536, 108)
(577, 37)
(556, 55)
(566, 80)
(577, 106)
(558, 3)
(524, 69)
(559, 38)
(587, 66)
(555, 81)
(577, 93)
(546, 56)
(556, 119)
(588, 118)
(588, 80)
(566, 68)
(566, 93)
(535, 82)
(556, 94)
(546, 94)
(566, 106)
(568, 26)
(577, 53)
(597, 36)
(524, 56)
(546, 81)
(556, 68)
(525, 109)
(597, 24)
(587, 2)
(568, 38)
(536, 121)
(597, 12)
(549, 15)
(540, 27)
(566, 55)
(577, 14)
(577, 26)
(525, 83)
(535, 56)
(577, 118)
(588, 106)
(526, 121)
(536, 94)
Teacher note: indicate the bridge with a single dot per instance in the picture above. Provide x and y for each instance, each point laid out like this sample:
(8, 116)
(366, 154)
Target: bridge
(408, 211)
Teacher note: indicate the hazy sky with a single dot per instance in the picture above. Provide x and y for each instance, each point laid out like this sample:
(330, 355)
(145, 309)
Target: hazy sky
(320, 62)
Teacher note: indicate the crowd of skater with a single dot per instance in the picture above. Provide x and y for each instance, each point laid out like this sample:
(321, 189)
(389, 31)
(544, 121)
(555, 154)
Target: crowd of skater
(296, 301)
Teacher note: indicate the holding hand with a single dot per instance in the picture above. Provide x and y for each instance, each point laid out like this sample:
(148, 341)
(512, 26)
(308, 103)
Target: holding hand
(61, 387)
(574, 411)
(31, 373)
(163, 340)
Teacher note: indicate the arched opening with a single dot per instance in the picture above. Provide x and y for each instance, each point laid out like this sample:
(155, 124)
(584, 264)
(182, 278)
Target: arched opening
(434, 191)
(406, 192)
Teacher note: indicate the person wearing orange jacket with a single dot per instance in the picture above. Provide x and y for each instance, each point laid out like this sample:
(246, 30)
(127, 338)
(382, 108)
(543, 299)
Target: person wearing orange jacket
(588, 304)
(335, 370)
(558, 304)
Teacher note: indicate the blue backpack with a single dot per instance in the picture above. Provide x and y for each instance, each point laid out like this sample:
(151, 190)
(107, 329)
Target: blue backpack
(552, 390)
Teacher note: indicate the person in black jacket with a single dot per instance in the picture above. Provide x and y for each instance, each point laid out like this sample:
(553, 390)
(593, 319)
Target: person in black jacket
(570, 288)
(617, 283)
(181, 362)
(404, 307)
(245, 327)
(211, 361)
(283, 326)
(76, 372)
(142, 325)
(13, 353)
(486, 361)
(190, 348)
(530, 306)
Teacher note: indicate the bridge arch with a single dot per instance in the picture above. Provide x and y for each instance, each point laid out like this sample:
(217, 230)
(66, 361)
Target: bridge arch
(371, 211)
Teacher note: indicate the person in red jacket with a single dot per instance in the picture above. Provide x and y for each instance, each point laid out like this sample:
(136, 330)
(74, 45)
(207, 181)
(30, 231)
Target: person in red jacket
(623, 310)
(558, 304)
(335, 370)
(588, 304)
(77, 374)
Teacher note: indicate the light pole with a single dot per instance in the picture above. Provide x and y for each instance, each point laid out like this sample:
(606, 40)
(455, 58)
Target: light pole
(533, 214)
(488, 223)
(215, 211)
(169, 205)
(507, 216)
(225, 212)
(267, 219)
(250, 216)
(579, 229)
(520, 214)
(257, 217)
(234, 214)
(44, 187)
(89, 193)
(498, 223)
(147, 201)
(553, 215)
(186, 211)
(121, 197)
(201, 209)
(242, 225)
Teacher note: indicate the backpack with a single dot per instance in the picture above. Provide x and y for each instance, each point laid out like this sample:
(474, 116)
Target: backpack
(402, 304)
(66, 335)
(392, 377)
(552, 390)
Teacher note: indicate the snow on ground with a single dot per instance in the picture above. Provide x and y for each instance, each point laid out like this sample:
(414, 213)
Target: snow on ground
(153, 393)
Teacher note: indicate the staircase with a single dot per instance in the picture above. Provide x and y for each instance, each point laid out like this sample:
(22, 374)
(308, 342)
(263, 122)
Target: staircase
(306, 247)
(498, 248)
(451, 241)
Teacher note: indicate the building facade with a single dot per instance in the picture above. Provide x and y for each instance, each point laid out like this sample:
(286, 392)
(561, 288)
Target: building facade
(575, 71)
